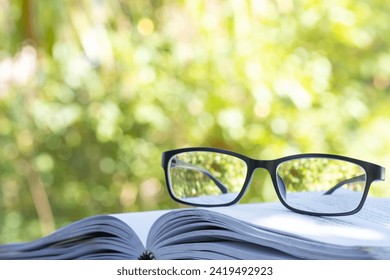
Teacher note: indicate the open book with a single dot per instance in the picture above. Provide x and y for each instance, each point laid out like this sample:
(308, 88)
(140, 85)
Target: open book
(243, 231)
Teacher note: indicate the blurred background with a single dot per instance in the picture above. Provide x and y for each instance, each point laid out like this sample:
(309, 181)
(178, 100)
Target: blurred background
(92, 92)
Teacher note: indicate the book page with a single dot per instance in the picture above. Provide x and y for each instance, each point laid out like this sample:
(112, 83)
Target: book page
(260, 226)
(96, 237)
(369, 227)
(141, 222)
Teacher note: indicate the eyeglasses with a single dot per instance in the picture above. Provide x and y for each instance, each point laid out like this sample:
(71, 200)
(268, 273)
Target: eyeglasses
(314, 184)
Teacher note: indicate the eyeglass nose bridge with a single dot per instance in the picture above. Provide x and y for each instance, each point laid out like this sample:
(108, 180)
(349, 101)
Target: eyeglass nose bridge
(270, 166)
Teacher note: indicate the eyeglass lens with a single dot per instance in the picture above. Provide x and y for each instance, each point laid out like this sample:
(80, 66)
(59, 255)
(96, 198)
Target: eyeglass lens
(321, 185)
(206, 178)
(317, 185)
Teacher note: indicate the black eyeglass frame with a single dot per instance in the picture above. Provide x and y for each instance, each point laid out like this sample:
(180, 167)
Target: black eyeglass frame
(373, 172)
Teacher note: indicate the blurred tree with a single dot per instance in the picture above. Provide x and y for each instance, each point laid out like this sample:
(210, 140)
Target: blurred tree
(91, 93)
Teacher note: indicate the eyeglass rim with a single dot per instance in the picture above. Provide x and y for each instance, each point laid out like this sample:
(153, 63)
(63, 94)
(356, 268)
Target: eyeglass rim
(373, 172)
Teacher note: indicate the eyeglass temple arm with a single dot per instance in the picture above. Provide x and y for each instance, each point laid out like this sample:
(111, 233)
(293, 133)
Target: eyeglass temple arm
(347, 181)
(181, 164)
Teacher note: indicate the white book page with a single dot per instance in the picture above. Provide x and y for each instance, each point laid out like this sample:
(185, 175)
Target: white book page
(369, 227)
(141, 222)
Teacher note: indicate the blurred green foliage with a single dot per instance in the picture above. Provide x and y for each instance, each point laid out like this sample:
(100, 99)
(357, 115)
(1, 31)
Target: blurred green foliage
(321, 175)
(91, 93)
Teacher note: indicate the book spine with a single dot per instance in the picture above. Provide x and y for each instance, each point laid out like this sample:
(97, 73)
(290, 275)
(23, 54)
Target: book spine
(147, 255)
